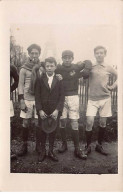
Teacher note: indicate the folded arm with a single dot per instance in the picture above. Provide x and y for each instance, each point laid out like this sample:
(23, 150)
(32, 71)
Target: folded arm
(113, 72)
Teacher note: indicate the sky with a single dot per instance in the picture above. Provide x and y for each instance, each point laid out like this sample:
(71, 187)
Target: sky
(81, 39)
(79, 26)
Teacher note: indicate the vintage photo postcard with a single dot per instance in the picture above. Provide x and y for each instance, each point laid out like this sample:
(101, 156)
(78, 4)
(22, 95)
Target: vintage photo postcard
(61, 95)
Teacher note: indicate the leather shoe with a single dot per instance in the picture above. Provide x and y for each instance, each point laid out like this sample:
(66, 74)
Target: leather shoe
(80, 154)
(13, 157)
(87, 150)
(23, 150)
(100, 149)
(63, 147)
(53, 156)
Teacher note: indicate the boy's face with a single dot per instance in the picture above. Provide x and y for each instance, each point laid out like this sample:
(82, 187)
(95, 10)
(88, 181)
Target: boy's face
(34, 55)
(50, 68)
(100, 55)
(67, 60)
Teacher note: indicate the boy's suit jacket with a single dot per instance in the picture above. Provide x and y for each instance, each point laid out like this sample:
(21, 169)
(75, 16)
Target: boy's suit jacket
(49, 99)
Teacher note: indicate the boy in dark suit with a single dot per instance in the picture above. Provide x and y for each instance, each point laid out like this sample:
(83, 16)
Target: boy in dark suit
(49, 98)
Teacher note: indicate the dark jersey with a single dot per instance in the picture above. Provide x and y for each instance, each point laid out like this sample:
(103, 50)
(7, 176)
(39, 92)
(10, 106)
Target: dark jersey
(70, 76)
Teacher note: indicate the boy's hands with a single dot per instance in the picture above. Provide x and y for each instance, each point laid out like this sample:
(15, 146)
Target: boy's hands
(23, 106)
(59, 77)
(54, 114)
(42, 114)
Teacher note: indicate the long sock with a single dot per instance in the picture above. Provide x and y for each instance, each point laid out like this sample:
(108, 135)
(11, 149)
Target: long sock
(88, 137)
(25, 132)
(75, 135)
(101, 134)
(63, 134)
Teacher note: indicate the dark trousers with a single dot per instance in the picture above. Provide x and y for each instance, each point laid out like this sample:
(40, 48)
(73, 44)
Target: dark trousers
(51, 137)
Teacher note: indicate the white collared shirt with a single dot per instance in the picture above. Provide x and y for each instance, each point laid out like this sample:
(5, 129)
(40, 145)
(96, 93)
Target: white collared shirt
(50, 79)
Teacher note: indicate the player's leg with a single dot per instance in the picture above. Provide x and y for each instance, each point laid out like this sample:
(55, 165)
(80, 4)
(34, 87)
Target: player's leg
(74, 116)
(104, 112)
(25, 132)
(62, 127)
(101, 132)
(27, 115)
(91, 112)
(89, 126)
(102, 128)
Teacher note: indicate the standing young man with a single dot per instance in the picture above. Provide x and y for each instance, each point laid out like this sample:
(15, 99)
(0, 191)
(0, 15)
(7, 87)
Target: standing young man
(71, 73)
(99, 98)
(27, 100)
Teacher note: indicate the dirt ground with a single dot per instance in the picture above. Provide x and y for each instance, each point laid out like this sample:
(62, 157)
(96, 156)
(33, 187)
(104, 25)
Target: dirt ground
(68, 163)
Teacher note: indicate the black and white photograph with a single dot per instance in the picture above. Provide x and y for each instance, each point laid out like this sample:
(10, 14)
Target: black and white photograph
(62, 103)
(64, 93)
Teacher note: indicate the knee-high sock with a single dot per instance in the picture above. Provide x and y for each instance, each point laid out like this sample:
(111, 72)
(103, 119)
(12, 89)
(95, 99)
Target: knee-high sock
(75, 135)
(88, 137)
(101, 134)
(25, 133)
(63, 134)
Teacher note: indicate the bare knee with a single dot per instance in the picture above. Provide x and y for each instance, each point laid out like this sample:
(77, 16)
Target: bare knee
(25, 123)
(103, 122)
(74, 124)
(89, 123)
(63, 123)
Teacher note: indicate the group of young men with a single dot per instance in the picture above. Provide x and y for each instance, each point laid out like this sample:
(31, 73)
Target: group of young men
(49, 93)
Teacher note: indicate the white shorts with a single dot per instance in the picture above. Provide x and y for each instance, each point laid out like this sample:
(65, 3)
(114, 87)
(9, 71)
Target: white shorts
(31, 110)
(103, 106)
(71, 107)
(11, 109)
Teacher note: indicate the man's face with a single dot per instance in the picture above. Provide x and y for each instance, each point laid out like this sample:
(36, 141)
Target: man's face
(100, 55)
(34, 55)
(67, 60)
(50, 68)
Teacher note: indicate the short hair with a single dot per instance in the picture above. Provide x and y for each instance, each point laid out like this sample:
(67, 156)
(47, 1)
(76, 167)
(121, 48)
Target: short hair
(100, 47)
(51, 60)
(34, 46)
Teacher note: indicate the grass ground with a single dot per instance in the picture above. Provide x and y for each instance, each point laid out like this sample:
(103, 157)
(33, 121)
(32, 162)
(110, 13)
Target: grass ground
(68, 163)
